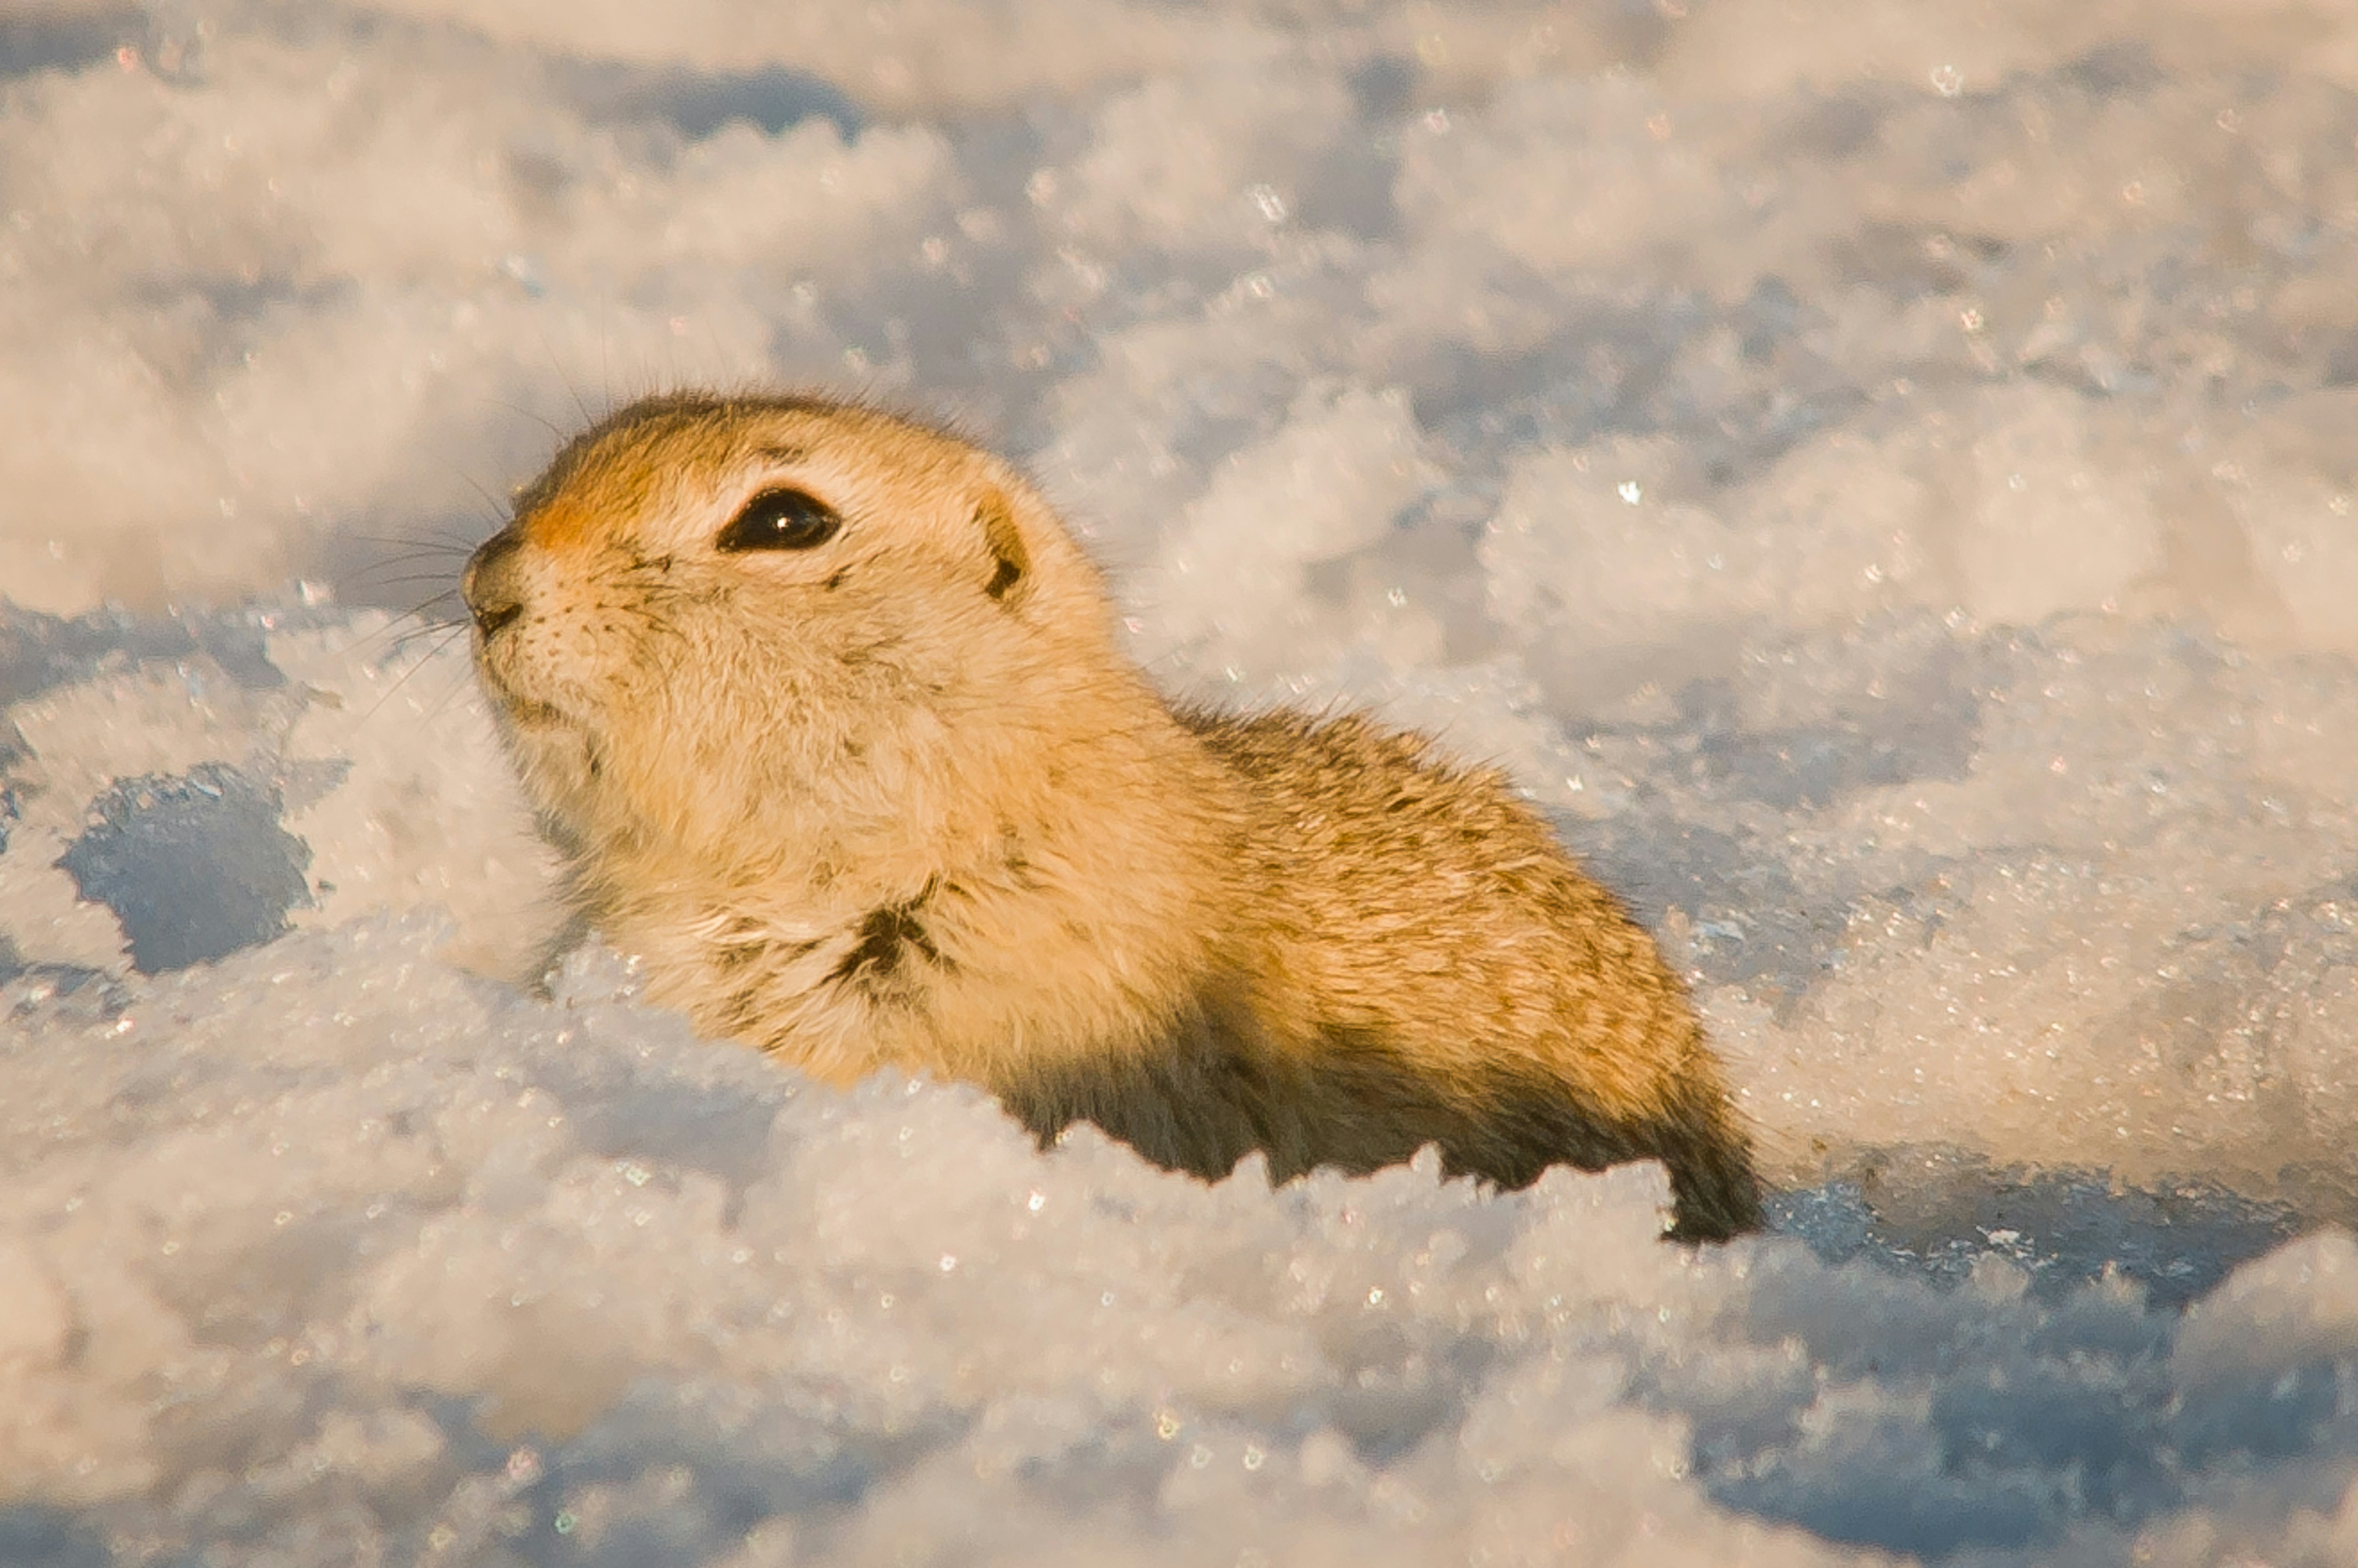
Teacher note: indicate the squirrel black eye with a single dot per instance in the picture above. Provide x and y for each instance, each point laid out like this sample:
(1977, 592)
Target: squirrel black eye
(780, 520)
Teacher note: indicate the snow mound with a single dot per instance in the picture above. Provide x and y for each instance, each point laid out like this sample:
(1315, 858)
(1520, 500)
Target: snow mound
(1880, 480)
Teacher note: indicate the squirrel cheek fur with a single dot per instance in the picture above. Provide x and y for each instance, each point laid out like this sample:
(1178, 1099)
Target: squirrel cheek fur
(828, 712)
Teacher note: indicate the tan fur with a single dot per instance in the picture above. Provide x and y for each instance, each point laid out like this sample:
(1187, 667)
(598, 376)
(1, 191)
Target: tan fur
(899, 800)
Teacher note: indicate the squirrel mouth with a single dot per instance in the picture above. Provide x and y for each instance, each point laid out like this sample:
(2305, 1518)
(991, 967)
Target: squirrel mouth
(525, 712)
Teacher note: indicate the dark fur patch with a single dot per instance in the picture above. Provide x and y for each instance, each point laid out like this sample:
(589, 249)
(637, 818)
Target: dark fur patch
(889, 937)
(1009, 559)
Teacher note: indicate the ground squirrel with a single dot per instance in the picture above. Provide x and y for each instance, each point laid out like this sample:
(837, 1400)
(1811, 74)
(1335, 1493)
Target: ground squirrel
(828, 711)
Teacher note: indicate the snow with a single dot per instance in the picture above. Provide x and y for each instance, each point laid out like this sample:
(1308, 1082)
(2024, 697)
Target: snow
(1880, 475)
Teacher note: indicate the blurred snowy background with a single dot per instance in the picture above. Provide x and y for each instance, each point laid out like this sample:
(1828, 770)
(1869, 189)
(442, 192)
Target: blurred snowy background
(1880, 472)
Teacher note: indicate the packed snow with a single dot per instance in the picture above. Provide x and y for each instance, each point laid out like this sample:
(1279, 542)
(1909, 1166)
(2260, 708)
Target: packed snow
(1879, 474)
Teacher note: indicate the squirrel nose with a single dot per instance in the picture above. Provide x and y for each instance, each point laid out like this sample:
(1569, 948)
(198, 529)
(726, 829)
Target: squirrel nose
(488, 584)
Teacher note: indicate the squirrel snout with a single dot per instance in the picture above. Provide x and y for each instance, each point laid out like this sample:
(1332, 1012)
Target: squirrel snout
(489, 584)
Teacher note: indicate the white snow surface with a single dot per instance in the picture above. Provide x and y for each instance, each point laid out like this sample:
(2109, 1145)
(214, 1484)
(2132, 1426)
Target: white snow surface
(1880, 474)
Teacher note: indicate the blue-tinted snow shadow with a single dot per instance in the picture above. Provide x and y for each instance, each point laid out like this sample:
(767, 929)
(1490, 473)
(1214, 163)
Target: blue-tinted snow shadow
(35, 1535)
(2030, 1394)
(64, 41)
(1938, 1212)
(697, 104)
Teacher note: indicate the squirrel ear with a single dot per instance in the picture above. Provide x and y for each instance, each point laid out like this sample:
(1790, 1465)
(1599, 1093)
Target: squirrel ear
(1011, 562)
